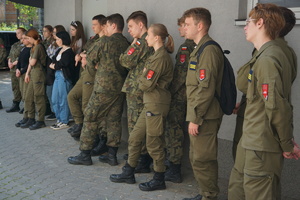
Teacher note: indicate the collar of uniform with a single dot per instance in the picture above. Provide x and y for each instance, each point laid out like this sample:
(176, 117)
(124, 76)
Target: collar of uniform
(204, 39)
(264, 47)
(157, 53)
(144, 36)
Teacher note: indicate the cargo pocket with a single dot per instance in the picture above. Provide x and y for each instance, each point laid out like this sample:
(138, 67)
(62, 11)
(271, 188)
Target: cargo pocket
(154, 123)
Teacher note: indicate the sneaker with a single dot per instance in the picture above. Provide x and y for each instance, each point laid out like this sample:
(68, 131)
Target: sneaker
(51, 117)
(61, 126)
(55, 125)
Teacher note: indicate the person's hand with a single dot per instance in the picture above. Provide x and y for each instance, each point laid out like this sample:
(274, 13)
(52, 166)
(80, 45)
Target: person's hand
(193, 129)
(18, 73)
(295, 154)
(236, 108)
(77, 59)
(83, 62)
(15, 63)
(10, 64)
(27, 78)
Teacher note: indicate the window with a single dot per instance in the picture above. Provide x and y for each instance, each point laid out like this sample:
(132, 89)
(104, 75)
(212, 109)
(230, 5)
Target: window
(294, 5)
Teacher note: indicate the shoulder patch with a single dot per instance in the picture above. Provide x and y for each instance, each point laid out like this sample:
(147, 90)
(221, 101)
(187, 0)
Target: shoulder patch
(130, 51)
(183, 48)
(150, 74)
(138, 43)
(250, 75)
(202, 74)
(192, 65)
(182, 58)
(1, 46)
(265, 91)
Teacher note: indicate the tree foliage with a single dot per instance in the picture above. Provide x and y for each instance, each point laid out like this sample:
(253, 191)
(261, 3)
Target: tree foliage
(27, 13)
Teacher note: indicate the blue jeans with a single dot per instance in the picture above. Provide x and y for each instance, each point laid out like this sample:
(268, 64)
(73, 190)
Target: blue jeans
(61, 88)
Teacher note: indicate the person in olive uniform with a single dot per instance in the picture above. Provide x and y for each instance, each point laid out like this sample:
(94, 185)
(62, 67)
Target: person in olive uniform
(154, 82)
(21, 70)
(134, 59)
(176, 126)
(204, 113)
(80, 94)
(35, 99)
(267, 129)
(106, 101)
(2, 53)
(242, 74)
(12, 62)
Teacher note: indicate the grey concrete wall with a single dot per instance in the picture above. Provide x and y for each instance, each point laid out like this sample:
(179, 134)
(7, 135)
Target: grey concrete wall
(223, 30)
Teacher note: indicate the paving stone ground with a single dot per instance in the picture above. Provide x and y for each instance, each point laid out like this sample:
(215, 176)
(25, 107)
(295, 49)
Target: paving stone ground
(33, 166)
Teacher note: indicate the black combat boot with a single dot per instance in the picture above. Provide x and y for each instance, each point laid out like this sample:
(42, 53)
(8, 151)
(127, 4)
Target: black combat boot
(23, 121)
(84, 158)
(127, 175)
(101, 148)
(157, 183)
(21, 111)
(144, 164)
(111, 157)
(198, 197)
(37, 125)
(29, 122)
(173, 174)
(75, 130)
(14, 108)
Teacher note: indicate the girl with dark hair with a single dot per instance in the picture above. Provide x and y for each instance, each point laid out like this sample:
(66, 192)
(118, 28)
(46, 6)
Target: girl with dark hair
(78, 36)
(50, 73)
(63, 64)
(35, 77)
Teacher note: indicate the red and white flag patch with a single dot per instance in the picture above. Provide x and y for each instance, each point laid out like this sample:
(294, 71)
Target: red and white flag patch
(265, 91)
(150, 74)
(138, 43)
(183, 48)
(182, 58)
(130, 51)
(202, 74)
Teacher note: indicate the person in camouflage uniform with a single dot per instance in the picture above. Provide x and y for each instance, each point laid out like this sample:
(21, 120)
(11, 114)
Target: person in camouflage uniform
(48, 36)
(176, 126)
(106, 101)
(80, 94)
(2, 53)
(134, 59)
(12, 62)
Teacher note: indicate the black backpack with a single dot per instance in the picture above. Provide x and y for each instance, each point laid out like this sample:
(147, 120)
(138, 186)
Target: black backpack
(227, 99)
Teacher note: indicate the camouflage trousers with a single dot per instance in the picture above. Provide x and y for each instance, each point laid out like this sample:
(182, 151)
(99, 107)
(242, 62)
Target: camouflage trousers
(134, 108)
(102, 107)
(15, 86)
(176, 126)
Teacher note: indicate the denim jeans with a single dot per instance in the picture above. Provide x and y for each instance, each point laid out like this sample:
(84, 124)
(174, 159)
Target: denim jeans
(61, 88)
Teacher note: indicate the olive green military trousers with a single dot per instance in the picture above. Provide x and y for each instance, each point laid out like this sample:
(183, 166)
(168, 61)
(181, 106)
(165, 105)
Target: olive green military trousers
(150, 125)
(203, 158)
(15, 85)
(255, 175)
(35, 99)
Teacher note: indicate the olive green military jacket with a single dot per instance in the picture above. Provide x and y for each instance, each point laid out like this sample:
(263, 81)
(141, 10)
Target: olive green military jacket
(180, 71)
(93, 57)
(268, 115)
(157, 77)
(203, 79)
(2, 53)
(40, 55)
(48, 42)
(134, 59)
(15, 51)
(110, 75)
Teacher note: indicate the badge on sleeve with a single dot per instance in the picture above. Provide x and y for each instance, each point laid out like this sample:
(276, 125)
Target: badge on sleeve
(250, 75)
(150, 74)
(182, 58)
(183, 48)
(130, 51)
(1, 46)
(192, 65)
(202, 74)
(138, 43)
(265, 91)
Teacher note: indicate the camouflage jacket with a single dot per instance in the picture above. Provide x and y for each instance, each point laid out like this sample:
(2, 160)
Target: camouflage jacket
(178, 88)
(2, 53)
(134, 59)
(90, 42)
(110, 74)
(15, 51)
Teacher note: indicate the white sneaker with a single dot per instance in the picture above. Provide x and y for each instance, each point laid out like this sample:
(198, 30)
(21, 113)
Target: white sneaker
(55, 125)
(61, 126)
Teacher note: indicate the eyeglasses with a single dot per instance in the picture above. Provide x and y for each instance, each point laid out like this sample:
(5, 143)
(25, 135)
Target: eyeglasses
(73, 23)
(249, 20)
